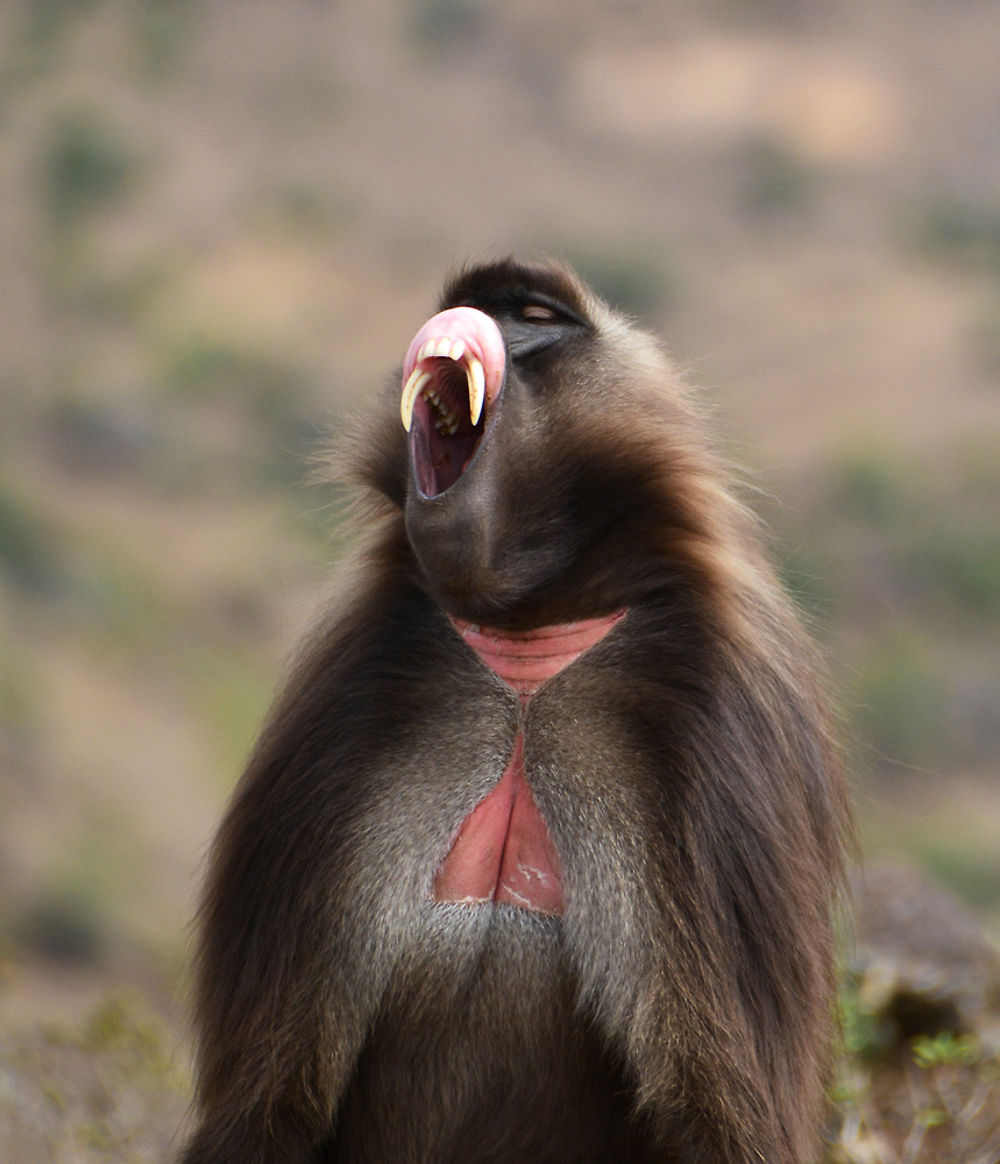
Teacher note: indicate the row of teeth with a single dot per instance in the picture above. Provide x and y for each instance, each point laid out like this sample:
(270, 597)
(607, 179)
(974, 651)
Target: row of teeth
(416, 386)
(445, 421)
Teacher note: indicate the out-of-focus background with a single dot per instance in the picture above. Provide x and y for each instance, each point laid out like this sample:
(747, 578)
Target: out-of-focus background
(220, 223)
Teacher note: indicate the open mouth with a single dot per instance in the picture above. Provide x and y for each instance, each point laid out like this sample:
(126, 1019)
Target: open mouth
(452, 375)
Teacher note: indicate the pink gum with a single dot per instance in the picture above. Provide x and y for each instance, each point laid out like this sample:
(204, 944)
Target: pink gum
(480, 334)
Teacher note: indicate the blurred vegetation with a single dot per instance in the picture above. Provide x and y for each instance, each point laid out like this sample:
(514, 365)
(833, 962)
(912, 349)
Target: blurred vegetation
(963, 235)
(643, 281)
(87, 165)
(440, 27)
(776, 182)
(919, 1098)
(29, 547)
(897, 564)
(111, 1087)
(958, 230)
(66, 919)
(904, 558)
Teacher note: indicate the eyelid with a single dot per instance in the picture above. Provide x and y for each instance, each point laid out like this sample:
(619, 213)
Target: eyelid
(539, 312)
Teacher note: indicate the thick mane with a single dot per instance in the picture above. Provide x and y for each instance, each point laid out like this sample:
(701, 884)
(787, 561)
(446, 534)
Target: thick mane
(537, 855)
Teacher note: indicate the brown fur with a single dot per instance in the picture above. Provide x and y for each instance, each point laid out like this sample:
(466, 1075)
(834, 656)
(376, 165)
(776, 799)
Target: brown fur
(681, 1009)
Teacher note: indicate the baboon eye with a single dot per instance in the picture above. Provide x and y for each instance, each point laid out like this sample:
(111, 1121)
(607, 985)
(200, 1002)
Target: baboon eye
(539, 313)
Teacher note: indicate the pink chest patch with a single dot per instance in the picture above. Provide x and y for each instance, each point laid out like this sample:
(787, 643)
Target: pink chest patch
(525, 659)
(503, 851)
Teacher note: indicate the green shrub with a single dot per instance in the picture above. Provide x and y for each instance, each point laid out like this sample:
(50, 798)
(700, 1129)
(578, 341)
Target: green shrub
(957, 230)
(28, 549)
(869, 483)
(61, 927)
(269, 426)
(945, 1049)
(46, 19)
(638, 279)
(959, 565)
(87, 164)
(442, 26)
(775, 180)
(163, 30)
(898, 699)
(969, 866)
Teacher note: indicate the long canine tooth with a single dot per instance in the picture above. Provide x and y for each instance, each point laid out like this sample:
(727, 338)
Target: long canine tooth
(477, 388)
(411, 390)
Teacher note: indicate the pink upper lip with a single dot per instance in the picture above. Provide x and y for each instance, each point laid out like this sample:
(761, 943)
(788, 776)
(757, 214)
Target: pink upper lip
(476, 330)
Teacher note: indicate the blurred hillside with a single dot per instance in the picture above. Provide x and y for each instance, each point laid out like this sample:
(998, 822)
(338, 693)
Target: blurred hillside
(221, 222)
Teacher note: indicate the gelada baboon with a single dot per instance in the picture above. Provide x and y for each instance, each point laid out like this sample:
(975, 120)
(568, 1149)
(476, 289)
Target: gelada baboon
(535, 858)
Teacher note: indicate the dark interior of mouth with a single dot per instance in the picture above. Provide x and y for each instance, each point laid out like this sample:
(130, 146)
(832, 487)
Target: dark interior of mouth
(439, 456)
